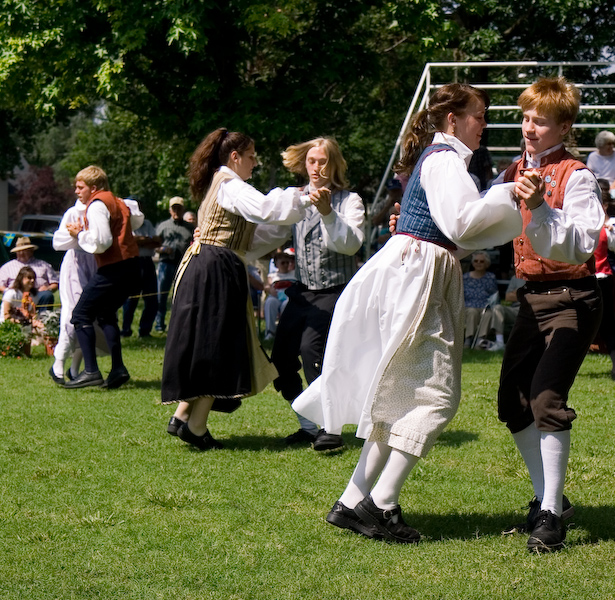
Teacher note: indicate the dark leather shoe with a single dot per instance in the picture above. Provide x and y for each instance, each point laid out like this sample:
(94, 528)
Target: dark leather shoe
(327, 441)
(532, 516)
(116, 378)
(549, 533)
(201, 442)
(69, 375)
(85, 379)
(174, 425)
(346, 518)
(389, 523)
(56, 379)
(299, 437)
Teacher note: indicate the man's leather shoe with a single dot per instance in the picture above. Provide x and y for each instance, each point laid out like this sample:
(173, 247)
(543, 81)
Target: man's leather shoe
(389, 523)
(201, 442)
(85, 379)
(174, 425)
(548, 534)
(116, 378)
(327, 441)
(56, 379)
(532, 516)
(301, 436)
(346, 518)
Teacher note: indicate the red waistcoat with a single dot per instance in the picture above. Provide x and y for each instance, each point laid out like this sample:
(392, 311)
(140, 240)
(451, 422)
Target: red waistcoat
(123, 245)
(529, 265)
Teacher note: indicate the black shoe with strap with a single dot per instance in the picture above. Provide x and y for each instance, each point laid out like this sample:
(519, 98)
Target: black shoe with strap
(548, 534)
(174, 425)
(201, 442)
(389, 523)
(346, 518)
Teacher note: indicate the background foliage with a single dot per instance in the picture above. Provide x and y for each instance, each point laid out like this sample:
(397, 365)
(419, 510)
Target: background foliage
(151, 79)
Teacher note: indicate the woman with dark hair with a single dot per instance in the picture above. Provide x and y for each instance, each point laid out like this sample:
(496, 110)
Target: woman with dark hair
(392, 363)
(213, 357)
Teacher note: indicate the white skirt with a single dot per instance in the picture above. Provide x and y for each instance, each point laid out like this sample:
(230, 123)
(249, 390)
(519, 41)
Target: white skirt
(392, 363)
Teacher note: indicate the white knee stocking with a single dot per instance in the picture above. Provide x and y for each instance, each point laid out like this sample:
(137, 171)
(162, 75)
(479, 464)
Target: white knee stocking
(386, 492)
(555, 449)
(371, 462)
(528, 443)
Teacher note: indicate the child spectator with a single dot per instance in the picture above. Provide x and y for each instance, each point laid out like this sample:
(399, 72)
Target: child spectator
(278, 282)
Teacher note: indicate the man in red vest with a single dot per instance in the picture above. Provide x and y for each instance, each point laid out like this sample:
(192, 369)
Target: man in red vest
(106, 233)
(560, 303)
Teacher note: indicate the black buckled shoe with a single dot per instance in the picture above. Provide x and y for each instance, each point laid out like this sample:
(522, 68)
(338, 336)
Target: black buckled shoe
(549, 533)
(116, 378)
(327, 441)
(532, 516)
(389, 523)
(201, 442)
(174, 425)
(85, 379)
(346, 518)
(300, 436)
(56, 379)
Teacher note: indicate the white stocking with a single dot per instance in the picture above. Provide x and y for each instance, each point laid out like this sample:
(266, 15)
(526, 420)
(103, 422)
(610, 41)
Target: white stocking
(371, 462)
(555, 449)
(386, 492)
(528, 443)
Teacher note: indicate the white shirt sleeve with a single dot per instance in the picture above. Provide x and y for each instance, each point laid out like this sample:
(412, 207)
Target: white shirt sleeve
(343, 228)
(569, 234)
(62, 240)
(267, 238)
(97, 238)
(136, 216)
(283, 207)
(469, 221)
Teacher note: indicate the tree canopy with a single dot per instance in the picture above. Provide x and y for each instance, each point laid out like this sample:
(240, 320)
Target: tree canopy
(282, 71)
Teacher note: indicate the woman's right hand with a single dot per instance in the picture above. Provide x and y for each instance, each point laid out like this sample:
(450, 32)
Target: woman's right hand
(196, 235)
(393, 218)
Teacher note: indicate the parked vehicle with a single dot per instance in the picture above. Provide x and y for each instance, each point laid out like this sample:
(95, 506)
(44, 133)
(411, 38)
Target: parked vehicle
(40, 229)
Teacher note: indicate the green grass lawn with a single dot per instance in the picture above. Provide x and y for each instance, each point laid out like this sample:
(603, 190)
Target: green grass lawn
(97, 501)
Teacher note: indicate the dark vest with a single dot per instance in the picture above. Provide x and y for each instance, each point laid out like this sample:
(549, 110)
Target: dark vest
(415, 218)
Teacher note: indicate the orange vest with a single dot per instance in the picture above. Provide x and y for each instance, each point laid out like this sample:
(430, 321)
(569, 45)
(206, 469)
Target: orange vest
(555, 170)
(123, 245)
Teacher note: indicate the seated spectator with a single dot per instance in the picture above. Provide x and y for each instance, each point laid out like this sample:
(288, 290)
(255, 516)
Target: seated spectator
(503, 316)
(18, 302)
(278, 282)
(602, 161)
(480, 287)
(46, 278)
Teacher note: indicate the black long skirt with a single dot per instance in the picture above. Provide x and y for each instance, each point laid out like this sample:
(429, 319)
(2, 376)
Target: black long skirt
(207, 351)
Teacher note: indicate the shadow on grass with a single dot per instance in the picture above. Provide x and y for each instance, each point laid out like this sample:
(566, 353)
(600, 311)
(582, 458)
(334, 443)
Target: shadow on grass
(455, 439)
(265, 443)
(597, 521)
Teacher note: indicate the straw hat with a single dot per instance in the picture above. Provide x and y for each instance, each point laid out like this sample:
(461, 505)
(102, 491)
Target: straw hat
(24, 243)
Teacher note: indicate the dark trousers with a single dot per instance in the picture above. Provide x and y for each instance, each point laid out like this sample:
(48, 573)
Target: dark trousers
(149, 290)
(557, 322)
(101, 298)
(302, 332)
